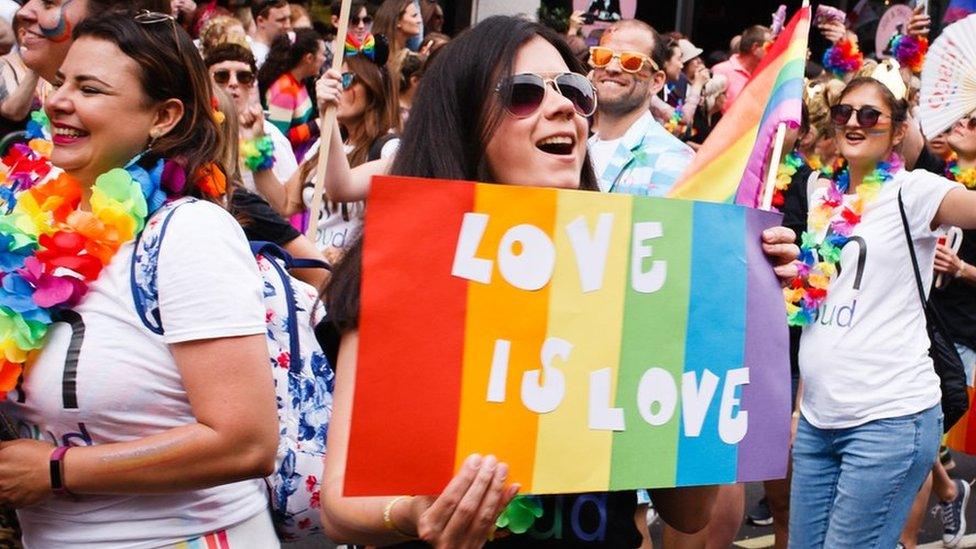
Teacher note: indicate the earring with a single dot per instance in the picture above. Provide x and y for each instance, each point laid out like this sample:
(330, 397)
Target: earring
(152, 140)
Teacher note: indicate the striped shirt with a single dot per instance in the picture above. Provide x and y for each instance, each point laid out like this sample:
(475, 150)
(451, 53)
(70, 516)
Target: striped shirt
(290, 109)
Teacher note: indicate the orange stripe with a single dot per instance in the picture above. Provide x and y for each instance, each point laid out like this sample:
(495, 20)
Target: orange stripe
(499, 310)
(211, 540)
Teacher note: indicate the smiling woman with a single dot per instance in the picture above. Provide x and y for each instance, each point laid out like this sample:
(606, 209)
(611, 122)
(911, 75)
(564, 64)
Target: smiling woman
(148, 427)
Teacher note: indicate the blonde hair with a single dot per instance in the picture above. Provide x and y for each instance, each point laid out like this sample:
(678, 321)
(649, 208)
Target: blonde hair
(818, 97)
(229, 132)
(714, 88)
(216, 31)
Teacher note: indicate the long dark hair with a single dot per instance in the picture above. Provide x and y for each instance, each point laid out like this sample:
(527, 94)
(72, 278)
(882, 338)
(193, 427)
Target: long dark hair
(450, 123)
(170, 67)
(285, 55)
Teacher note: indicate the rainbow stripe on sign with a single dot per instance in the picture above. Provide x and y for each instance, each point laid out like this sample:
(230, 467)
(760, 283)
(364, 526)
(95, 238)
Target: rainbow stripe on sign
(660, 321)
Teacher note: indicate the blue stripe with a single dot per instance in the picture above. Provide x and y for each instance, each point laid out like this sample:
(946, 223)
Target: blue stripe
(715, 337)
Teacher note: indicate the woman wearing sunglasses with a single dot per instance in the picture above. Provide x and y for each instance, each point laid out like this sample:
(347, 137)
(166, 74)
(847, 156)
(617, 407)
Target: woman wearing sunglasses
(511, 111)
(870, 417)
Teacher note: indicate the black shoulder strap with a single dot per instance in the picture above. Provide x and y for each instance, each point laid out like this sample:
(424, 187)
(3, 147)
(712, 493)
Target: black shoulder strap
(376, 149)
(911, 250)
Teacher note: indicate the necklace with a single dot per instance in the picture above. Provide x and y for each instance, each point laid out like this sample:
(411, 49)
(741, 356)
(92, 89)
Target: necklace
(788, 168)
(965, 176)
(834, 216)
(51, 250)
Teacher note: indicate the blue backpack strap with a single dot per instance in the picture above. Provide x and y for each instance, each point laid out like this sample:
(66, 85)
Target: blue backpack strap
(273, 252)
(145, 262)
(291, 262)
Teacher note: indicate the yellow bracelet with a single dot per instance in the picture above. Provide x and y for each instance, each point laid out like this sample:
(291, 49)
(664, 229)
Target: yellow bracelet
(388, 517)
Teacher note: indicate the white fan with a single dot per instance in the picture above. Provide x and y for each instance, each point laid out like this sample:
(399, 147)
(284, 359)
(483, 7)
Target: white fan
(949, 78)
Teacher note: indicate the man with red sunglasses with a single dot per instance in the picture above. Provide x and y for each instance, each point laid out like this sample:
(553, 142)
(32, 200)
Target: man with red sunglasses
(631, 152)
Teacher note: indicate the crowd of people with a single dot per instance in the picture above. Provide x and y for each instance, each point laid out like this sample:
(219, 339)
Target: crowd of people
(139, 410)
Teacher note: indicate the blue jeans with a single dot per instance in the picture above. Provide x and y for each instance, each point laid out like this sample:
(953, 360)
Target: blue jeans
(854, 487)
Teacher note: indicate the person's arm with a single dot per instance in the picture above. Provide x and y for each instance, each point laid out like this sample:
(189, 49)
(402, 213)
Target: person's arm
(462, 516)
(303, 248)
(231, 392)
(16, 99)
(958, 208)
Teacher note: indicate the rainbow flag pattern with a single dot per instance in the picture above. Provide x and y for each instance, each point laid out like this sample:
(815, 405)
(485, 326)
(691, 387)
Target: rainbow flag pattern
(731, 163)
(659, 323)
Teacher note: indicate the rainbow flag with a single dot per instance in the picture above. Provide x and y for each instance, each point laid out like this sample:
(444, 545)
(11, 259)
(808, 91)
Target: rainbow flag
(962, 436)
(592, 341)
(730, 164)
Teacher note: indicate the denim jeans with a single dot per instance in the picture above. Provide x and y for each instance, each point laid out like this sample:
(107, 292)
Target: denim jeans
(854, 487)
(968, 357)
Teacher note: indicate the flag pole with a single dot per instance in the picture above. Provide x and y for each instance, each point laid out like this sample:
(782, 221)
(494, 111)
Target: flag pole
(772, 172)
(326, 123)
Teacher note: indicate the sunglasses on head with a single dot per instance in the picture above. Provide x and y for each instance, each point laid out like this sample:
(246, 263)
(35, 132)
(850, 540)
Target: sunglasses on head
(356, 20)
(523, 94)
(630, 61)
(244, 78)
(867, 117)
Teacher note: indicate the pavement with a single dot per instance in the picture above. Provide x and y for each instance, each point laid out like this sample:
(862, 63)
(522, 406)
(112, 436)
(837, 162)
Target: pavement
(757, 537)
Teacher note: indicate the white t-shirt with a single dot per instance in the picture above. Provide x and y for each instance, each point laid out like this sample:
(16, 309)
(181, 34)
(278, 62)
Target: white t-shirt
(341, 222)
(285, 164)
(260, 51)
(866, 355)
(128, 385)
(600, 154)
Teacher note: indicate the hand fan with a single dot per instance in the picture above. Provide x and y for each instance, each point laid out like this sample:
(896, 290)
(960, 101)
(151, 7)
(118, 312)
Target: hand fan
(949, 78)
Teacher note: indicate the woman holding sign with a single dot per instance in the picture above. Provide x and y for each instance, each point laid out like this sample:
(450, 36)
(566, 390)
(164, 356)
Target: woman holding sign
(870, 418)
(531, 102)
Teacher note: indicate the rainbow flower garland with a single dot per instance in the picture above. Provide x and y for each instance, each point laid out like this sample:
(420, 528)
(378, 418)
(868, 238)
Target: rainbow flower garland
(843, 57)
(51, 250)
(909, 50)
(834, 216)
(788, 168)
(967, 177)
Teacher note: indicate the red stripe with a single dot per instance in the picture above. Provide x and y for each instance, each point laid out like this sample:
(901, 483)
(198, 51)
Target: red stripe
(222, 539)
(413, 317)
(211, 542)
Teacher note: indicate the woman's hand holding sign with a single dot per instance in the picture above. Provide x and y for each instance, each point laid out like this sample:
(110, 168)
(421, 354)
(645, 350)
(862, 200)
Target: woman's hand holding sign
(780, 248)
(465, 513)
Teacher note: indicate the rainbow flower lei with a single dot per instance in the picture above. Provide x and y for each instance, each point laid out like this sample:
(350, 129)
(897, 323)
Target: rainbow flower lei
(674, 124)
(51, 250)
(909, 50)
(832, 219)
(843, 57)
(967, 177)
(788, 168)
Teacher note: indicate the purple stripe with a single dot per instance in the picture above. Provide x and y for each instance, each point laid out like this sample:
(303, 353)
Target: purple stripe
(749, 192)
(763, 451)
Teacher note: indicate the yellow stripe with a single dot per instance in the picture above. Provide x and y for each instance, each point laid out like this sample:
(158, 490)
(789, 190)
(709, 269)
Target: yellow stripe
(719, 179)
(568, 453)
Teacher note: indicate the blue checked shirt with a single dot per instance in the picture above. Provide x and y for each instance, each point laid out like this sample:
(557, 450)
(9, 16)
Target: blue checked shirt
(647, 162)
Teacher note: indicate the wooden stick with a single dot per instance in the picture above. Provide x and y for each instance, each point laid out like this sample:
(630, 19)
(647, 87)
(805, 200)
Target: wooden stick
(771, 173)
(326, 124)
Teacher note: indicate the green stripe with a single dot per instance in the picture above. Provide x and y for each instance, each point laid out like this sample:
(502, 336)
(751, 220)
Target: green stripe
(654, 326)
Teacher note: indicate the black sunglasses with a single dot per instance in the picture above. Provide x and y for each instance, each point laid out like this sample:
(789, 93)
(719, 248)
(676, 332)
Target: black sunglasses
(523, 94)
(365, 20)
(244, 78)
(867, 117)
(348, 78)
(969, 122)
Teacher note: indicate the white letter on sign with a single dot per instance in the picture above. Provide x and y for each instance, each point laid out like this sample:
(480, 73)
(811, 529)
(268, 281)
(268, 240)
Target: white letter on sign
(602, 416)
(543, 399)
(695, 400)
(657, 385)
(653, 279)
(466, 265)
(591, 253)
(733, 429)
(531, 268)
(499, 370)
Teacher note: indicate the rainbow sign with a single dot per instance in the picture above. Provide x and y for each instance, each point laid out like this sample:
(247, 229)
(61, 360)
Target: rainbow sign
(593, 342)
